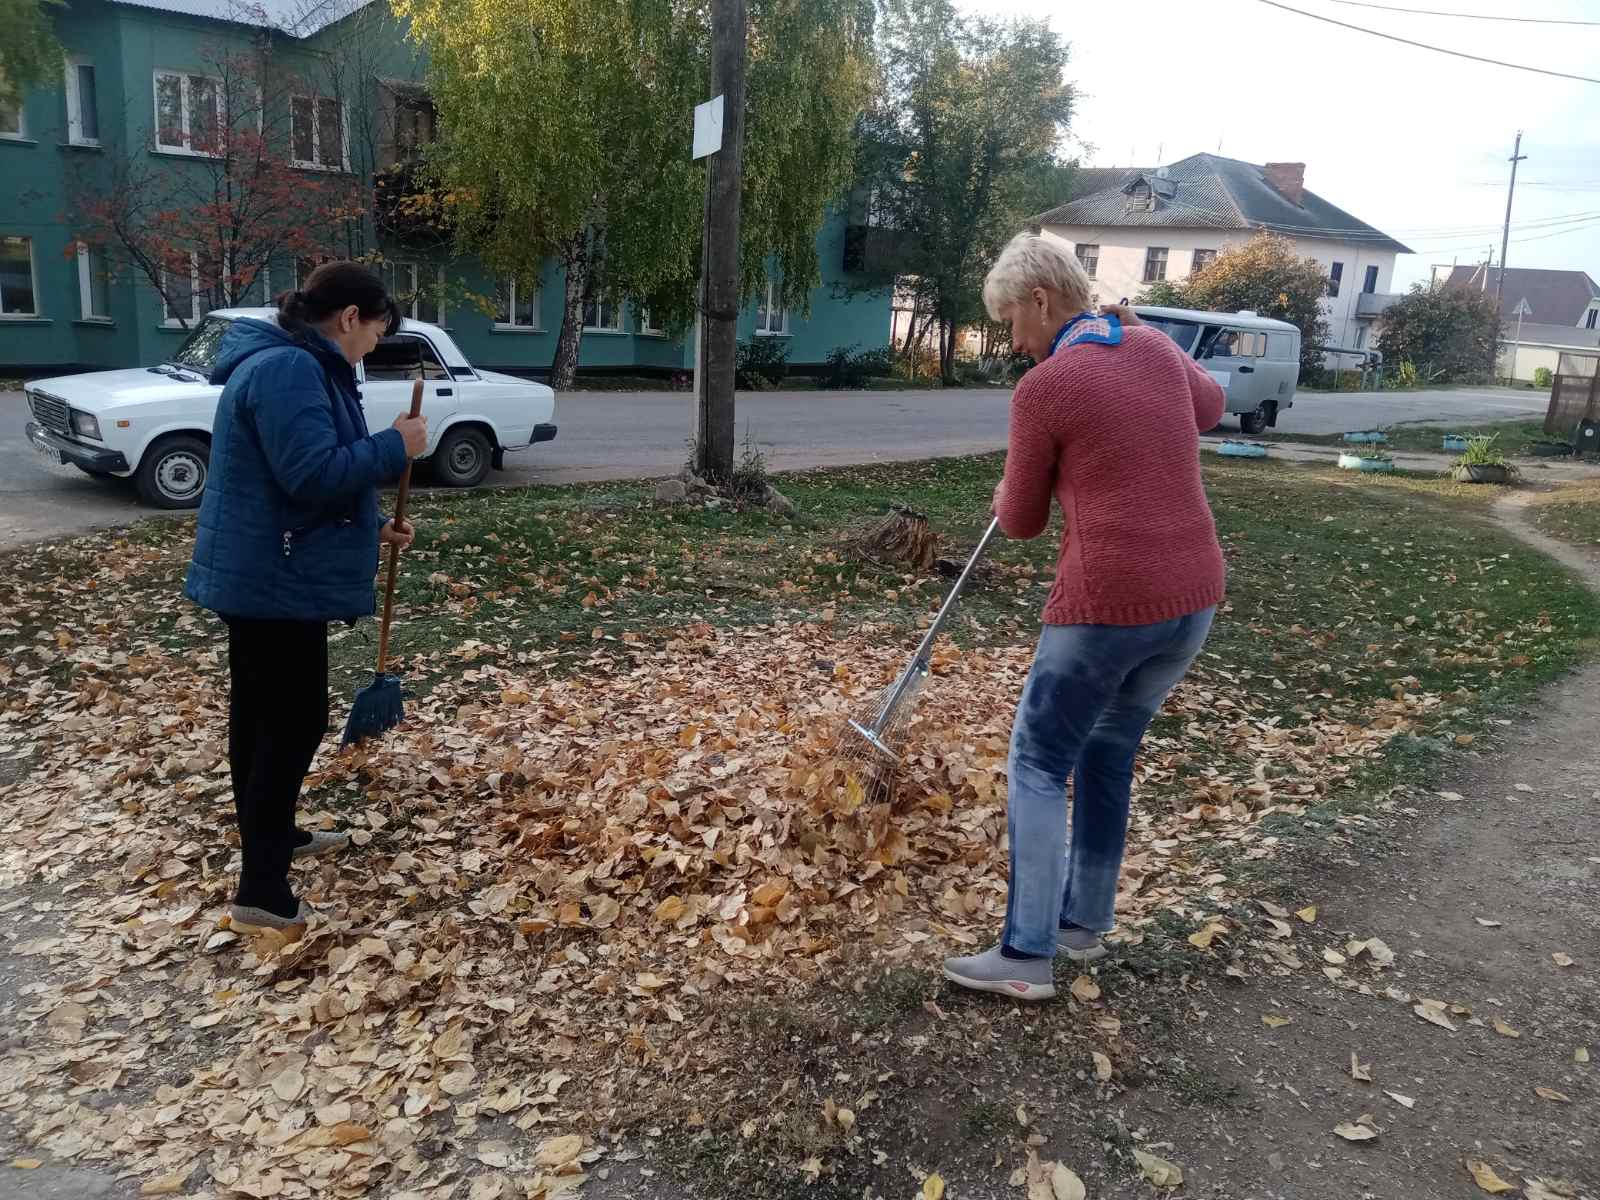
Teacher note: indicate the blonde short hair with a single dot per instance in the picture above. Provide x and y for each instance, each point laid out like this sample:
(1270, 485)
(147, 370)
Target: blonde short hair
(1033, 260)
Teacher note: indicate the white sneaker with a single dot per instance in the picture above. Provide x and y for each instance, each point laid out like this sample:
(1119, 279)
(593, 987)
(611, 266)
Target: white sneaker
(992, 971)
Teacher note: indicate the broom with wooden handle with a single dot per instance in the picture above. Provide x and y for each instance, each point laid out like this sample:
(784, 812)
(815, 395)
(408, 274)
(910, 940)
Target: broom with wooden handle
(380, 705)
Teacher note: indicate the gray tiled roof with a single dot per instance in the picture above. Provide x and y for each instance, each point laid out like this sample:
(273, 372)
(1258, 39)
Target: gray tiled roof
(1212, 192)
(1551, 335)
(1556, 297)
(297, 18)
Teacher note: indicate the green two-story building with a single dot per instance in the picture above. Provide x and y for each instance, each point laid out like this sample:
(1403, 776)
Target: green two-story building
(123, 144)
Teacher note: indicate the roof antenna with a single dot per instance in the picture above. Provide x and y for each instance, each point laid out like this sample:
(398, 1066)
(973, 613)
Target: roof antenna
(1219, 145)
(1160, 146)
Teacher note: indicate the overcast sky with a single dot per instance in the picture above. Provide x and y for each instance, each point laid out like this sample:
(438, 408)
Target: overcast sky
(1407, 140)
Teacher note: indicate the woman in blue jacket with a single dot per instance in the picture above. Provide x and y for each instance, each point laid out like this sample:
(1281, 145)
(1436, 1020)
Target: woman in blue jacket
(288, 541)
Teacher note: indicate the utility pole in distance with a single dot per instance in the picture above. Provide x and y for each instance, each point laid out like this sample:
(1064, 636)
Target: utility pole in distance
(719, 298)
(1505, 237)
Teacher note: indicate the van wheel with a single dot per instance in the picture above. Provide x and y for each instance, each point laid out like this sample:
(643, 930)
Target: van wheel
(1256, 421)
(173, 472)
(462, 458)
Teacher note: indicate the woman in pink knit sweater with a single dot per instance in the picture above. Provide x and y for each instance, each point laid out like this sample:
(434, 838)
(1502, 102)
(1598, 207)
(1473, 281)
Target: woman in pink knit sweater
(1108, 425)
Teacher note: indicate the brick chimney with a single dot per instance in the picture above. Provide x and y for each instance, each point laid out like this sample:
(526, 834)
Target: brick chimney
(1289, 179)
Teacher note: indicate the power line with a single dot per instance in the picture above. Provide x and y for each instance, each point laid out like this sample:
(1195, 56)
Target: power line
(1493, 62)
(1431, 12)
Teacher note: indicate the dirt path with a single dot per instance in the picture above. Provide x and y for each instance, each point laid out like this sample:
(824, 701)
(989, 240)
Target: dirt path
(1476, 895)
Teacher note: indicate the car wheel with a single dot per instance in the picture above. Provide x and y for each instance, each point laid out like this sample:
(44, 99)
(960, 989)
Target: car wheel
(173, 472)
(1256, 421)
(462, 458)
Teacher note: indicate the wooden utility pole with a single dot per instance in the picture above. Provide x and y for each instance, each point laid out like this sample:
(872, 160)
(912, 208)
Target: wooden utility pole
(719, 280)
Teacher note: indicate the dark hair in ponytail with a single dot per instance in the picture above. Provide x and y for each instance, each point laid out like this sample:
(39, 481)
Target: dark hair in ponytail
(333, 287)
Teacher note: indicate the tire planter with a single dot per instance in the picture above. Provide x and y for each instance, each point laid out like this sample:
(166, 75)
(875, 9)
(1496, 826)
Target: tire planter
(1354, 462)
(1480, 473)
(1551, 449)
(1233, 449)
(1455, 442)
(1367, 435)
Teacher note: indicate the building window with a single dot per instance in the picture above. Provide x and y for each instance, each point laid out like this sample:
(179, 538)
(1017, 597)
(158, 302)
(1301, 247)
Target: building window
(1335, 274)
(83, 117)
(414, 123)
(19, 288)
(1202, 260)
(417, 290)
(11, 125)
(1590, 321)
(1155, 264)
(1361, 337)
(647, 323)
(518, 305)
(772, 318)
(94, 287)
(1089, 257)
(316, 133)
(186, 296)
(188, 113)
(1370, 283)
(600, 313)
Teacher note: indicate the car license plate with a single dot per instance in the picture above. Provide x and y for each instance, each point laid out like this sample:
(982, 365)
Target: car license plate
(48, 452)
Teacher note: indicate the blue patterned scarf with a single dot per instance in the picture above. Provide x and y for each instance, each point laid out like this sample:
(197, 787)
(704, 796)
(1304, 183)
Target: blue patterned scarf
(1088, 327)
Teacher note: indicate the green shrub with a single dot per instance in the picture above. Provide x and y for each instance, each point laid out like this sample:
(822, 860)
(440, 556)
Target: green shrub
(762, 362)
(1481, 452)
(1543, 377)
(852, 367)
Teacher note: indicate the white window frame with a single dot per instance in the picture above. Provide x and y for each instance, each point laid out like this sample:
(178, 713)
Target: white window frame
(194, 295)
(75, 102)
(1088, 256)
(514, 325)
(316, 135)
(646, 327)
(33, 276)
(1149, 263)
(20, 134)
(601, 302)
(86, 287)
(184, 79)
(413, 272)
(1195, 265)
(772, 305)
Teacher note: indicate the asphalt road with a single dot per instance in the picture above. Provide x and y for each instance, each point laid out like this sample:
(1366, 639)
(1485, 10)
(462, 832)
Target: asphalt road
(629, 435)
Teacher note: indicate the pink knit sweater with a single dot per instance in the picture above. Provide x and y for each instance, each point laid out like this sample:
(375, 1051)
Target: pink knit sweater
(1112, 432)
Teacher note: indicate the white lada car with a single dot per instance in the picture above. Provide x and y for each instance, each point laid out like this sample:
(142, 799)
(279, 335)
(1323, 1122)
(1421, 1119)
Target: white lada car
(153, 424)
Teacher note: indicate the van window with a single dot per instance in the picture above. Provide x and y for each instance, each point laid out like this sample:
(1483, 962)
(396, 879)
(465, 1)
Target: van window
(1239, 343)
(1182, 332)
(1280, 347)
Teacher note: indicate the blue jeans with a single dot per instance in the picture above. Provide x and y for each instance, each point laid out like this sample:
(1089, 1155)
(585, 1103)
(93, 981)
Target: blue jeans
(1090, 696)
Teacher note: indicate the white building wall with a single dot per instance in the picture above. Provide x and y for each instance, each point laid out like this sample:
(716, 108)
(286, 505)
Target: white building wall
(1120, 271)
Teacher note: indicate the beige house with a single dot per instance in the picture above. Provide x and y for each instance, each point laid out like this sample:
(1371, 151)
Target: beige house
(1133, 226)
(1542, 313)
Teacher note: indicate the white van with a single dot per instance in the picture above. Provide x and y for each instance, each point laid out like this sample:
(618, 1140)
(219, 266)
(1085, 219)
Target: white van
(1255, 359)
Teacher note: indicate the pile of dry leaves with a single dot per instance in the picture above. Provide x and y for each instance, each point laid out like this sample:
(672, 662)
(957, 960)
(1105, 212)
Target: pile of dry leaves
(558, 880)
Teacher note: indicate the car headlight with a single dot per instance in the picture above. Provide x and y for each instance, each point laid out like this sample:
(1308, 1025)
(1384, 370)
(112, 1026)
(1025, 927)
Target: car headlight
(85, 425)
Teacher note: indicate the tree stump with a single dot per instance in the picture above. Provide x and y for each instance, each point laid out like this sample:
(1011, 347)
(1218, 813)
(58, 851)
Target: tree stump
(902, 538)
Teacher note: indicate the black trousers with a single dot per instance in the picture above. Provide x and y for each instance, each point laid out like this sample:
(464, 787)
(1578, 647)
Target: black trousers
(277, 716)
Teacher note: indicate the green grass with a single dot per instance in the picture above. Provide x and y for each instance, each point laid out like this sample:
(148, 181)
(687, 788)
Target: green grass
(1513, 437)
(1572, 515)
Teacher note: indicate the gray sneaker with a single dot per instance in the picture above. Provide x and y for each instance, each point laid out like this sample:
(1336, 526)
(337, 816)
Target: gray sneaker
(322, 843)
(1080, 945)
(244, 918)
(991, 971)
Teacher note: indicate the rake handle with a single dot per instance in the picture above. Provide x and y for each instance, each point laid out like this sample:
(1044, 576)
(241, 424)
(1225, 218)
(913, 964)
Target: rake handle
(394, 550)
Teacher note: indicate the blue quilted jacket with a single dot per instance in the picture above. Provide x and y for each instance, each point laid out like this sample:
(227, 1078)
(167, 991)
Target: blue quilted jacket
(289, 521)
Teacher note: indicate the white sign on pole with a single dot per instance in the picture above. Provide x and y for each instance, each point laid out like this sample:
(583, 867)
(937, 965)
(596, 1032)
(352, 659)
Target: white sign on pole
(1522, 309)
(708, 127)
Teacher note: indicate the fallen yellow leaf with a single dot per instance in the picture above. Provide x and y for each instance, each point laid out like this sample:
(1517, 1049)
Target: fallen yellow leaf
(1562, 959)
(1359, 1070)
(1551, 1094)
(1505, 1030)
(1352, 1132)
(1307, 914)
(1581, 1054)
(1484, 1176)
(1202, 938)
(1102, 1066)
(1158, 1170)
(1085, 989)
(27, 1164)
(167, 1185)
(933, 1188)
(1273, 1021)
